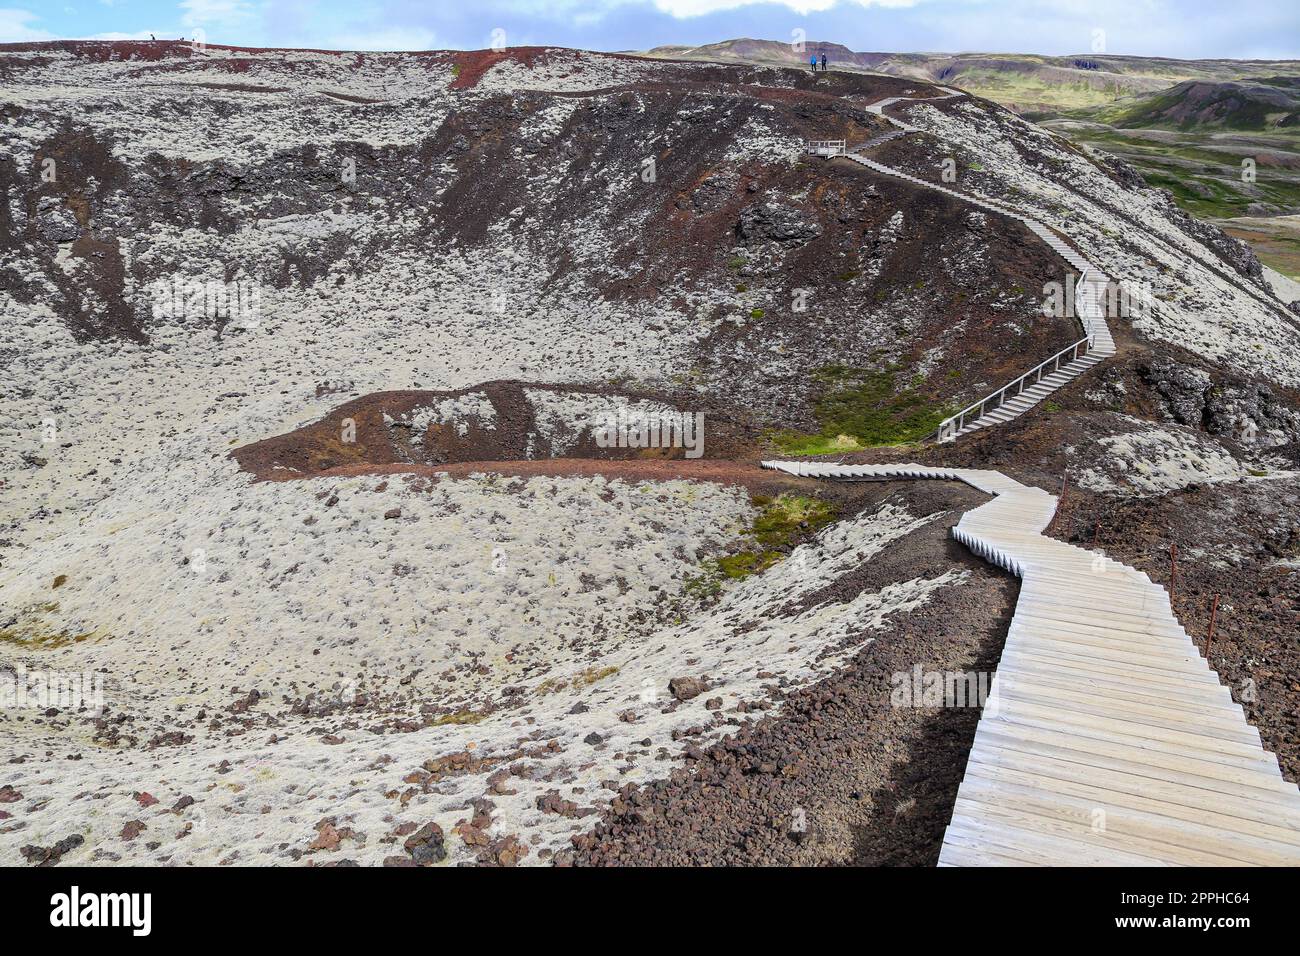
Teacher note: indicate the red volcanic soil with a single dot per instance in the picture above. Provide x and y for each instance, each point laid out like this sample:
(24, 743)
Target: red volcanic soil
(472, 64)
(749, 475)
(383, 436)
(874, 782)
(103, 51)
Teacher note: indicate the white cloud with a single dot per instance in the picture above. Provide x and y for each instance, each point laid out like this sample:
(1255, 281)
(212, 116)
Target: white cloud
(224, 13)
(395, 38)
(684, 9)
(14, 27)
(138, 35)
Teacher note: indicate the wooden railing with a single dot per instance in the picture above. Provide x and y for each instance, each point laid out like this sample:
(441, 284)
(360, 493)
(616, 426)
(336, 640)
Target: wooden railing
(824, 147)
(1089, 310)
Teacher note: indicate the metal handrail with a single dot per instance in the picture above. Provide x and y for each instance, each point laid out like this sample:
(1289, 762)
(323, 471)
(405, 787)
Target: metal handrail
(947, 426)
(1001, 394)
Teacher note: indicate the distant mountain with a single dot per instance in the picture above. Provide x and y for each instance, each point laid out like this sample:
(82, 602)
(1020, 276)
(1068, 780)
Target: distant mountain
(1271, 103)
(1027, 83)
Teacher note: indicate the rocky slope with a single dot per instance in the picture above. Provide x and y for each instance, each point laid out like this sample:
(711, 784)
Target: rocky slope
(302, 354)
(1189, 284)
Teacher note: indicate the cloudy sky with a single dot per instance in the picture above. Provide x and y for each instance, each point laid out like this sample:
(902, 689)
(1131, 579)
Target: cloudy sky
(1174, 28)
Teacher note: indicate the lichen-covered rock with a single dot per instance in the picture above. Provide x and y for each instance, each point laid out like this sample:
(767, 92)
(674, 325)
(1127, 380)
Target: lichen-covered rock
(1252, 414)
(687, 688)
(1232, 251)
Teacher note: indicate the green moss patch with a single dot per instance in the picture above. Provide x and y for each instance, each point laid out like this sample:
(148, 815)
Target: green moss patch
(32, 629)
(583, 679)
(736, 566)
(781, 523)
(861, 408)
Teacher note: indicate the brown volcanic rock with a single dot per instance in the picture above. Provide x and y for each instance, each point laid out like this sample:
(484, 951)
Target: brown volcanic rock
(381, 435)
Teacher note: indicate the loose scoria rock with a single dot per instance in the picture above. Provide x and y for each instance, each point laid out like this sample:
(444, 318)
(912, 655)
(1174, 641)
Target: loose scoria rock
(686, 688)
(552, 802)
(510, 851)
(327, 838)
(49, 856)
(132, 830)
(768, 222)
(426, 845)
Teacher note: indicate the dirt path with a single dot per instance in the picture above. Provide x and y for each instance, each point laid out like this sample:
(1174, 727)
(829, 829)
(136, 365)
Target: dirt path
(747, 474)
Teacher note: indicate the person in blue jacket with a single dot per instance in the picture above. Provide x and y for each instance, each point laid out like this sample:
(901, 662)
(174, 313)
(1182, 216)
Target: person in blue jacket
(812, 62)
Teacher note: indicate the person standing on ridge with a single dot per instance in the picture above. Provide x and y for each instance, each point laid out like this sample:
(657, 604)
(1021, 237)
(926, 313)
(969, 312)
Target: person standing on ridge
(812, 62)
(823, 62)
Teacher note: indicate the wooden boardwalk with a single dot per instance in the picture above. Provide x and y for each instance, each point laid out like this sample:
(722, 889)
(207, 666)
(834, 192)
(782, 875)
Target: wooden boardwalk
(1106, 738)
(1024, 393)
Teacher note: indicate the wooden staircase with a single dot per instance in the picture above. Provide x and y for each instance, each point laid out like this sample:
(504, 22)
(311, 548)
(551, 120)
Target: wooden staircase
(1018, 396)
